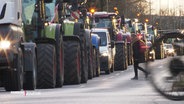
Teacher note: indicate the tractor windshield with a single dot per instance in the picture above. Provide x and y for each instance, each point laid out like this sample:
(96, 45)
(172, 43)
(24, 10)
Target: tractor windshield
(103, 38)
(29, 18)
(103, 22)
(28, 7)
(50, 11)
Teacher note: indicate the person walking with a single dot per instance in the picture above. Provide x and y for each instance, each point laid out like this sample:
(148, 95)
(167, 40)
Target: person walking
(137, 53)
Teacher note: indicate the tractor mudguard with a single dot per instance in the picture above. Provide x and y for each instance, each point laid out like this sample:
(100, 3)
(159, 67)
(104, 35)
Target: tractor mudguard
(45, 40)
(28, 55)
(69, 38)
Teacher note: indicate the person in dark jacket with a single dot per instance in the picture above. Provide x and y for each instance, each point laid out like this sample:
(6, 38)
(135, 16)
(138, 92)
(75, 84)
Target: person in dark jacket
(136, 46)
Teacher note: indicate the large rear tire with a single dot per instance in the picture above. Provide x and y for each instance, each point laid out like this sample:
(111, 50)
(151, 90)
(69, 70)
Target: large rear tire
(46, 72)
(97, 63)
(59, 61)
(119, 58)
(107, 71)
(112, 67)
(72, 62)
(84, 59)
(94, 62)
(129, 54)
(90, 63)
(13, 79)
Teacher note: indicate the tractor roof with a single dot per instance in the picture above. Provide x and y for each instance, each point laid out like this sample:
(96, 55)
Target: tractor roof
(104, 14)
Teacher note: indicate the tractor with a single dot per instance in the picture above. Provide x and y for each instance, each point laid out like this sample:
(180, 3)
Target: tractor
(18, 64)
(49, 42)
(71, 14)
(110, 20)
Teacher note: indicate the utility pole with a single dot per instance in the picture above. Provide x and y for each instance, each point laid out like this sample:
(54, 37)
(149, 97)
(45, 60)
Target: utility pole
(107, 3)
(160, 14)
(151, 19)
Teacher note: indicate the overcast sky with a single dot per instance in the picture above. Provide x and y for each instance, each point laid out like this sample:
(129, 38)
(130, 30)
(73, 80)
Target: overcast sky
(163, 4)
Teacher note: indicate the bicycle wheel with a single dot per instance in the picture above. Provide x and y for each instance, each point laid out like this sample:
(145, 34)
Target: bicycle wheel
(167, 74)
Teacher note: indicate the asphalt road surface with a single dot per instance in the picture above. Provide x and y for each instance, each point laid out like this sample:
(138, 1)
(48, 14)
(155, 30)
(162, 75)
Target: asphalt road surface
(116, 88)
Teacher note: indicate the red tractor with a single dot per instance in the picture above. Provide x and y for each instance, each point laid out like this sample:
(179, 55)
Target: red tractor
(110, 21)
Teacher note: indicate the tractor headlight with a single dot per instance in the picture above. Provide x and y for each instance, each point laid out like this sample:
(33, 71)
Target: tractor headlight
(171, 50)
(104, 54)
(4, 44)
(151, 52)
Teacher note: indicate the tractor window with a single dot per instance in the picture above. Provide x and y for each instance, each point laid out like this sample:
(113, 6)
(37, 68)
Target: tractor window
(28, 10)
(103, 38)
(150, 31)
(50, 10)
(29, 19)
(103, 22)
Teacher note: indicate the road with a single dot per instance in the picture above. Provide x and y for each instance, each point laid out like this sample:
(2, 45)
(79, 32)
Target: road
(116, 88)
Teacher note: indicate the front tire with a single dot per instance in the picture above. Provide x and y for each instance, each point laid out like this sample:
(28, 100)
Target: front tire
(14, 78)
(30, 76)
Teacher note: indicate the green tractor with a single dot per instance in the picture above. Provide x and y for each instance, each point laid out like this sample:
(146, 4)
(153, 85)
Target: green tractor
(77, 60)
(49, 43)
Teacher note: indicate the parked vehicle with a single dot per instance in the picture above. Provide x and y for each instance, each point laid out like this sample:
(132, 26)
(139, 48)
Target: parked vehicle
(96, 50)
(29, 46)
(106, 61)
(169, 49)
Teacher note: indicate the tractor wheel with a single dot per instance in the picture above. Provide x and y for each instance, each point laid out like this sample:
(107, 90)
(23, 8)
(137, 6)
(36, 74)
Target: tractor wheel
(129, 54)
(72, 62)
(84, 61)
(14, 78)
(108, 71)
(126, 63)
(94, 62)
(46, 72)
(119, 58)
(90, 63)
(98, 64)
(126, 57)
(112, 67)
(30, 77)
(59, 61)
